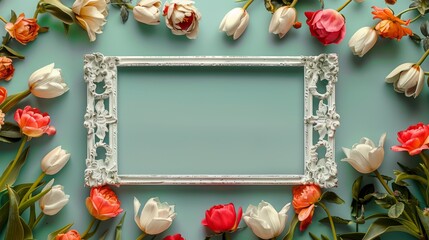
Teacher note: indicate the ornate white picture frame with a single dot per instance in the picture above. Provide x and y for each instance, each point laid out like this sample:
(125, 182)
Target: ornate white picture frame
(320, 122)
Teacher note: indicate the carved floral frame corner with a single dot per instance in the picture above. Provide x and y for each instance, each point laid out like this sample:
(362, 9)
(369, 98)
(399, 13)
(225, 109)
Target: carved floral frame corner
(101, 121)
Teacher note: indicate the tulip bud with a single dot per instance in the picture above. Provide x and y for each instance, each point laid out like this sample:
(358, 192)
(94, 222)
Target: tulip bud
(47, 82)
(407, 78)
(147, 11)
(235, 22)
(155, 218)
(363, 40)
(54, 161)
(282, 21)
(53, 201)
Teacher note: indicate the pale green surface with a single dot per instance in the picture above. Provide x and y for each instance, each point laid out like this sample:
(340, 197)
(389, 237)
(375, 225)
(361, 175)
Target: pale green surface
(367, 105)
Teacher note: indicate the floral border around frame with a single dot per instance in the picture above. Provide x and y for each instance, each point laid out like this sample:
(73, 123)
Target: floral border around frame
(100, 72)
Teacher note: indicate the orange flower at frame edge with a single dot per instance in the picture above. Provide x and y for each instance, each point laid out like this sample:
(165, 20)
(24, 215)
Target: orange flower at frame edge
(304, 199)
(390, 25)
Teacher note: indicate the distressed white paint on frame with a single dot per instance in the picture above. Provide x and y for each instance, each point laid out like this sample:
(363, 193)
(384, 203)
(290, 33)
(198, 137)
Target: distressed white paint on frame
(101, 120)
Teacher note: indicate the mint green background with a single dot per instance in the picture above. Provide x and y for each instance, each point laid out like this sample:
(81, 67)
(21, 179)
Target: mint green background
(367, 105)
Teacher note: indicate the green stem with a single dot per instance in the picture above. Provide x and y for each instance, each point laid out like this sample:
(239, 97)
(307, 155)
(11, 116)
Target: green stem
(380, 178)
(36, 13)
(141, 236)
(18, 154)
(129, 6)
(425, 160)
(226, 236)
(3, 20)
(5, 107)
(344, 5)
(247, 4)
(417, 17)
(293, 3)
(88, 228)
(423, 58)
(331, 222)
(405, 11)
(41, 214)
(33, 186)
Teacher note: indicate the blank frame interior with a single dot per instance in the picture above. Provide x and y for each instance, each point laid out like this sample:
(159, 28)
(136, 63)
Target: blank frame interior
(320, 121)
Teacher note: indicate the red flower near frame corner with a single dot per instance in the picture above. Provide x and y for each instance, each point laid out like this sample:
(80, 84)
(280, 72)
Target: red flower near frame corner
(222, 218)
(103, 203)
(33, 123)
(390, 25)
(304, 199)
(327, 25)
(414, 139)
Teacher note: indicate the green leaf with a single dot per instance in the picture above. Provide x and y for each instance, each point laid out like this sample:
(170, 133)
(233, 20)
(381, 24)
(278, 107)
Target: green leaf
(124, 13)
(353, 236)
(377, 215)
(64, 229)
(367, 189)
(14, 228)
(28, 234)
(20, 189)
(273, 5)
(396, 210)
(313, 237)
(384, 225)
(13, 16)
(118, 230)
(13, 53)
(324, 237)
(32, 217)
(356, 187)
(10, 130)
(331, 197)
(32, 200)
(424, 220)
(387, 178)
(336, 219)
(291, 230)
(415, 38)
(58, 10)
(104, 235)
(10, 180)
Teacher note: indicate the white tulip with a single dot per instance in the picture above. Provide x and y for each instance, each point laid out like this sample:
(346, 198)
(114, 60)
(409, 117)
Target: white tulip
(363, 40)
(407, 78)
(54, 161)
(235, 22)
(282, 21)
(147, 11)
(182, 17)
(365, 157)
(91, 16)
(47, 82)
(155, 218)
(265, 221)
(53, 201)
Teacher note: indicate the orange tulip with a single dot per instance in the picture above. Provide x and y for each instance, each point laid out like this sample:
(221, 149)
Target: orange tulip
(70, 235)
(390, 25)
(103, 203)
(6, 68)
(304, 199)
(24, 30)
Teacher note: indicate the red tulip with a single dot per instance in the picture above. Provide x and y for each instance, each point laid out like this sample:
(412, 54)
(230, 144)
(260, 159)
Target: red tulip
(327, 25)
(414, 139)
(174, 237)
(70, 235)
(222, 218)
(3, 94)
(33, 123)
